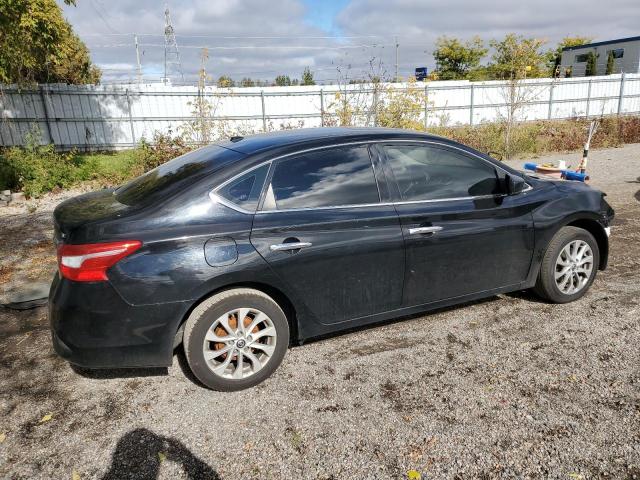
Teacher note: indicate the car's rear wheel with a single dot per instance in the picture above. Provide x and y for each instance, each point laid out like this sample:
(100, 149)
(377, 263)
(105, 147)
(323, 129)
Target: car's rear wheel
(235, 339)
(569, 266)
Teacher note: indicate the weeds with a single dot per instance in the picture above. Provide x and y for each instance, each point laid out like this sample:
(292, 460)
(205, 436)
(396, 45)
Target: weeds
(538, 137)
(37, 169)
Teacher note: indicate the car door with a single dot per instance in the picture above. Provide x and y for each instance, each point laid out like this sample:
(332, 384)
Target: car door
(324, 230)
(463, 235)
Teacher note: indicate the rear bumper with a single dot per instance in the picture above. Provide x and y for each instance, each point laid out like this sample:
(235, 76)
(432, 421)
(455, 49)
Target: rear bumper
(93, 327)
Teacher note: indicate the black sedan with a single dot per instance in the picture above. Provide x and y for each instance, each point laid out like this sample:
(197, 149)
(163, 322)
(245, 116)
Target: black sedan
(239, 249)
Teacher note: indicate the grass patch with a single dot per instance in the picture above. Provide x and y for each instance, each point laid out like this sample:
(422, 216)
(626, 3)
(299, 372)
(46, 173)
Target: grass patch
(40, 169)
(110, 168)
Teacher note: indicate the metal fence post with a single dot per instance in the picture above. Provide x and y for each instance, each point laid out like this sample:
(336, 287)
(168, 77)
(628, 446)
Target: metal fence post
(133, 135)
(321, 108)
(43, 98)
(550, 112)
(588, 98)
(426, 106)
(621, 97)
(375, 106)
(264, 116)
(471, 107)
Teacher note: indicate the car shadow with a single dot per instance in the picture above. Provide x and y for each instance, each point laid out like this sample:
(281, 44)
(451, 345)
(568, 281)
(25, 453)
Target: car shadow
(526, 295)
(112, 373)
(115, 373)
(105, 374)
(392, 321)
(184, 366)
(140, 452)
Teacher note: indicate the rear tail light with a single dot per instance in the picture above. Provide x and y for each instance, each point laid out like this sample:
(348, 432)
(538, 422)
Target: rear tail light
(89, 262)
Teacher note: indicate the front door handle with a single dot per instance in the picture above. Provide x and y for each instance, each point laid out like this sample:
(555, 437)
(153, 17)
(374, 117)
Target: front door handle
(424, 230)
(284, 247)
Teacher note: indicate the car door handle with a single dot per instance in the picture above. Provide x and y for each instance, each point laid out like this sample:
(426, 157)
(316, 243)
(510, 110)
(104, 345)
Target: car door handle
(424, 230)
(283, 247)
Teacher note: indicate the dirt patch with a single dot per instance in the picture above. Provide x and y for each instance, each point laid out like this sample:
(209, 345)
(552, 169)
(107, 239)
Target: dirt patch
(509, 387)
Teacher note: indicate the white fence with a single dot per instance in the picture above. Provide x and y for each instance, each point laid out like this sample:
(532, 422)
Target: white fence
(111, 117)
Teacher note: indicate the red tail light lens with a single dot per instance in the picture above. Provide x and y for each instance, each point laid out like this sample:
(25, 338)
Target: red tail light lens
(89, 262)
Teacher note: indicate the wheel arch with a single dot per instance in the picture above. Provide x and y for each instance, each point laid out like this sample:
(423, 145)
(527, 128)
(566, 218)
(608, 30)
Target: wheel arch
(597, 230)
(277, 295)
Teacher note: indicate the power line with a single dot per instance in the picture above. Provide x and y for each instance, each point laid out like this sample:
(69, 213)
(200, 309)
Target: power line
(102, 17)
(249, 47)
(238, 37)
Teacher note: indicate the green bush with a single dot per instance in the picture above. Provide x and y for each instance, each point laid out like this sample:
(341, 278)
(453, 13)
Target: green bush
(162, 149)
(37, 169)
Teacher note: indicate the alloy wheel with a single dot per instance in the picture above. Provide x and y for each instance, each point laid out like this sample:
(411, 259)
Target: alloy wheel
(239, 343)
(573, 267)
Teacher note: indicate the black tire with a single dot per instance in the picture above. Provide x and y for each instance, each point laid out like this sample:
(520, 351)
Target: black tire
(546, 286)
(203, 317)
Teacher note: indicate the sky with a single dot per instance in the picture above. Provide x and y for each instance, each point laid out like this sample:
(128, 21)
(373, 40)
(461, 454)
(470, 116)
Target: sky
(337, 39)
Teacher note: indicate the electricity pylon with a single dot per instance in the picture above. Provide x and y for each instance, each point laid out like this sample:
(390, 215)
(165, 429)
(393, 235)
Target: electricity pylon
(172, 63)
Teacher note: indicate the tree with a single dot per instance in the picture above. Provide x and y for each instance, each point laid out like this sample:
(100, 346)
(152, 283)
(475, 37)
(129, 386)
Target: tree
(401, 108)
(590, 68)
(283, 81)
(610, 63)
(554, 57)
(454, 60)
(307, 77)
(516, 57)
(37, 45)
(226, 81)
(247, 82)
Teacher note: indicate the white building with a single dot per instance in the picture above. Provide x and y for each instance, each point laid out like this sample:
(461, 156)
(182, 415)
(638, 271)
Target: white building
(626, 55)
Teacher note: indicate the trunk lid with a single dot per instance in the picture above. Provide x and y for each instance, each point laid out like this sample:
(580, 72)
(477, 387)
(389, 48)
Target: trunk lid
(85, 209)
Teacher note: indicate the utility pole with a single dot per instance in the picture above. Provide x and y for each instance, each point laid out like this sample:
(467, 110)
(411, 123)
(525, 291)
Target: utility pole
(171, 52)
(135, 39)
(397, 45)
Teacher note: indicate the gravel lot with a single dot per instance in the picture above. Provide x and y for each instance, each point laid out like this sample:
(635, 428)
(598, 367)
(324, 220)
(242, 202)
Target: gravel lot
(502, 388)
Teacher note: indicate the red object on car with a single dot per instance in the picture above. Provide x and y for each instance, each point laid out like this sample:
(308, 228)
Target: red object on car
(90, 262)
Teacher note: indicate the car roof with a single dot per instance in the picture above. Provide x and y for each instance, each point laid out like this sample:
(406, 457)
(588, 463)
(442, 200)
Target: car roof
(283, 138)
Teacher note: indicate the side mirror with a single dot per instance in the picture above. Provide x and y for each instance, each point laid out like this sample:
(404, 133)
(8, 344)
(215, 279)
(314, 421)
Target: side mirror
(514, 184)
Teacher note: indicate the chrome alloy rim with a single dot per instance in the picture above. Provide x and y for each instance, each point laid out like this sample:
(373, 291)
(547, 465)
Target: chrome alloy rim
(236, 349)
(573, 267)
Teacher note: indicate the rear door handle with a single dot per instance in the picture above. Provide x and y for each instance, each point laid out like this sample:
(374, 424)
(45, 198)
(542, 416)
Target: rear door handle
(424, 230)
(284, 247)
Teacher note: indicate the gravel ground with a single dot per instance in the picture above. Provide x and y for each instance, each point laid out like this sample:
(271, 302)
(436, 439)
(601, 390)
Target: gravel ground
(501, 388)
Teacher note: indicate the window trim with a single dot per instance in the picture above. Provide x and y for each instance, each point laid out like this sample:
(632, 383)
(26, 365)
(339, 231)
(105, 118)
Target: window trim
(213, 195)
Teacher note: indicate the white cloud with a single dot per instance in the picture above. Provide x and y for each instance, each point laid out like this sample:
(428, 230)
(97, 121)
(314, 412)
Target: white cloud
(417, 23)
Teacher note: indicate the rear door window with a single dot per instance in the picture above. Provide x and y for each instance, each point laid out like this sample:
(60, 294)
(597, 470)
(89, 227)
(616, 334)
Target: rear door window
(338, 176)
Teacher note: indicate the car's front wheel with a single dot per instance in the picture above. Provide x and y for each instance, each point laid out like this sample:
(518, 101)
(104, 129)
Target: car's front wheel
(235, 339)
(569, 266)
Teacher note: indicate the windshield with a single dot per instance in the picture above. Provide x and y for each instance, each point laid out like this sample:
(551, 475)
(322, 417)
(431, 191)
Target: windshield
(175, 175)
